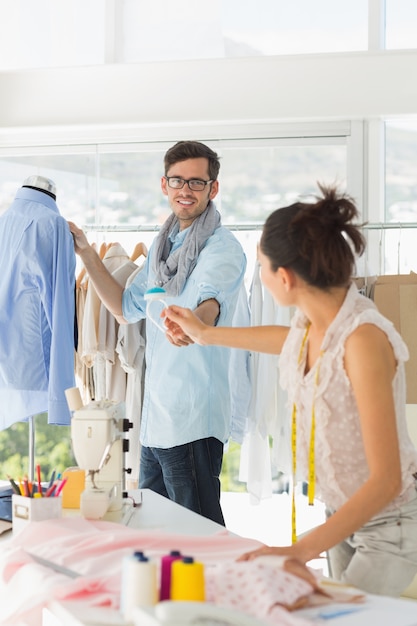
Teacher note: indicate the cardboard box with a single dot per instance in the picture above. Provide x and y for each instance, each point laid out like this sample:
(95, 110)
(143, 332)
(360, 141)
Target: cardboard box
(396, 298)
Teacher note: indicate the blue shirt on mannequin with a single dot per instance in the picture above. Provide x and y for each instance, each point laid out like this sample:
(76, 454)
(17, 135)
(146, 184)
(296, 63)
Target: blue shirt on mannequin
(37, 281)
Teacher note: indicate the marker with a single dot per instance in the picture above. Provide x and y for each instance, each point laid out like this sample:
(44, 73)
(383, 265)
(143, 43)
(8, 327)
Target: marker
(50, 490)
(60, 487)
(14, 486)
(38, 471)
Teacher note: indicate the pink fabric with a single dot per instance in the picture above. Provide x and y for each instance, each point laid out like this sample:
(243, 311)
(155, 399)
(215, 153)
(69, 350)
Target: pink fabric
(94, 549)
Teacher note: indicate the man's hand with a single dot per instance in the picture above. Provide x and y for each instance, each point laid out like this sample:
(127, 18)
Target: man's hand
(182, 325)
(108, 289)
(179, 333)
(176, 335)
(80, 240)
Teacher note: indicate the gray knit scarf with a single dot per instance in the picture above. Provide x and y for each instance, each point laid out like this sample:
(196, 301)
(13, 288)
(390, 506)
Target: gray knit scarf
(172, 270)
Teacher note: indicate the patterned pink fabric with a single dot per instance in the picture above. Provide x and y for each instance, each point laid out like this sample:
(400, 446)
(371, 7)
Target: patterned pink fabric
(260, 588)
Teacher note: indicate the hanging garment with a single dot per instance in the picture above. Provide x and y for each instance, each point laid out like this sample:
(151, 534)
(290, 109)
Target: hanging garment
(114, 257)
(114, 384)
(239, 374)
(268, 413)
(83, 374)
(37, 284)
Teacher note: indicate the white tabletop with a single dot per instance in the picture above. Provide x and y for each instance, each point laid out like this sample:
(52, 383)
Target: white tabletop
(158, 512)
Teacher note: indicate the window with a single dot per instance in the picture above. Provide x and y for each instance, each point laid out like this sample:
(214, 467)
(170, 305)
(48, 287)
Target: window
(51, 34)
(113, 190)
(74, 173)
(77, 33)
(279, 27)
(401, 20)
(400, 197)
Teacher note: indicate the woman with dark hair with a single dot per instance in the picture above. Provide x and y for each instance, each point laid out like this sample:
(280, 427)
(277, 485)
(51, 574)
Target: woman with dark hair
(342, 364)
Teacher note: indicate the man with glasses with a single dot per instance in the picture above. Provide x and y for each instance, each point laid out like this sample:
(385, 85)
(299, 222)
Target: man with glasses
(186, 410)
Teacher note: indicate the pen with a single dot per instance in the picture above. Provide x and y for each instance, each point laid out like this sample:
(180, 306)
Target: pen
(60, 487)
(51, 481)
(331, 613)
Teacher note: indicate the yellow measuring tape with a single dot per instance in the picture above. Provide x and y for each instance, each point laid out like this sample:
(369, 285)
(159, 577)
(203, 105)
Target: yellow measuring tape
(311, 451)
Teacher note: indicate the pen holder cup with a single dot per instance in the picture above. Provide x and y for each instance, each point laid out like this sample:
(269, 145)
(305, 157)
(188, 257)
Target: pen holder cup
(26, 510)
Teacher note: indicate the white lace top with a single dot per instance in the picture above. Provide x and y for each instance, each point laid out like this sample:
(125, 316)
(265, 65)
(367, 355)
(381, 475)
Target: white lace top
(340, 462)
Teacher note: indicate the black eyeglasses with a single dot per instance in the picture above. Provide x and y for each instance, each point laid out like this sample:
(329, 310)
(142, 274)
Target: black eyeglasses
(194, 184)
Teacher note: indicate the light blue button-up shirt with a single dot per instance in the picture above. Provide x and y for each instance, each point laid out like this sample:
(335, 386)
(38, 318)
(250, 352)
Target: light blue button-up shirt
(187, 394)
(37, 265)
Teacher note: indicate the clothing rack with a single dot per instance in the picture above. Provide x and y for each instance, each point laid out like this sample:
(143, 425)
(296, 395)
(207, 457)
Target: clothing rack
(133, 228)
(389, 225)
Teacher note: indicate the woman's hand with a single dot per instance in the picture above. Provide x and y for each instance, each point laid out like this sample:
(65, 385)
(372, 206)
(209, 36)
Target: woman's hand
(180, 321)
(290, 551)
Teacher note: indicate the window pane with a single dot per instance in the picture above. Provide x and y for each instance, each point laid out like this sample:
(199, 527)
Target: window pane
(191, 29)
(256, 181)
(130, 188)
(400, 196)
(73, 174)
(301, 26)
(401, 24)
(157, 30)
(47, 33)
(400, 172)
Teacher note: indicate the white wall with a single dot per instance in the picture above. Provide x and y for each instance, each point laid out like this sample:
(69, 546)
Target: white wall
(303, 87)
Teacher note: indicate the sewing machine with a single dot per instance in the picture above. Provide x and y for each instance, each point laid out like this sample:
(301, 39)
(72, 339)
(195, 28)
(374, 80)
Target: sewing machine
(97, 433)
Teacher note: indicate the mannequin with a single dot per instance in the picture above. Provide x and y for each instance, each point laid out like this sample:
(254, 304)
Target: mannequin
(40, 183)
(37, 306)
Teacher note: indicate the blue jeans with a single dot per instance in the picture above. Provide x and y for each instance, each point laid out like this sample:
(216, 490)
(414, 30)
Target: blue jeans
(187, 474)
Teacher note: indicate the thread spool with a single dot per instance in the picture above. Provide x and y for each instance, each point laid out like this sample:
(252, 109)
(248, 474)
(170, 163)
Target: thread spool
(138, 584)
(166, 568)
(187, 580)
(73, 397)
